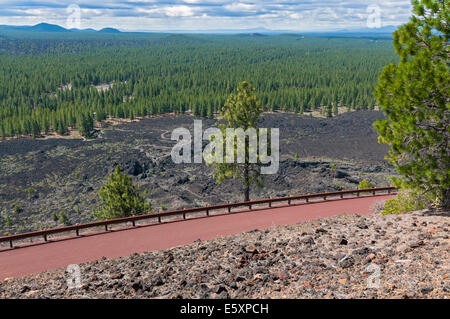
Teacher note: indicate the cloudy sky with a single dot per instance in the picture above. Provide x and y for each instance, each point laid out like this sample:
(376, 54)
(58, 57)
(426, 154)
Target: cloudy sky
(148, 15)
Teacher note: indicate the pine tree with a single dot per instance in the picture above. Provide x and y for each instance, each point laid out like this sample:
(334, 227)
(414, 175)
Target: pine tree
(35, 128)
(335, 109)
(240, 111)
(415, 96)
(329, 110)
(121, 198)
(85, 124)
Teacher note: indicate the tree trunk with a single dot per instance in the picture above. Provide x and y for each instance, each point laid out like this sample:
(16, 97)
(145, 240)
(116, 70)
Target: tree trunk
(246, 184)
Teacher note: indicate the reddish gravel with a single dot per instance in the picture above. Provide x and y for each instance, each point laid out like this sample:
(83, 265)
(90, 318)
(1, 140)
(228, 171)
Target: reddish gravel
(33, 259)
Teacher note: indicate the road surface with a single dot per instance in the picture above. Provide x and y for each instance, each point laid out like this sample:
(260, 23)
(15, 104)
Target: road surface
(40, 257)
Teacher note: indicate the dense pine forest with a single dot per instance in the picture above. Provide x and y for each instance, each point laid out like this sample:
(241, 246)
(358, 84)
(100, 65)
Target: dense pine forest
(52, 83)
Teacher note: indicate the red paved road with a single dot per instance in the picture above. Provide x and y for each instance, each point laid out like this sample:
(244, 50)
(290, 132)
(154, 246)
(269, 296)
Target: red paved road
(34, 259)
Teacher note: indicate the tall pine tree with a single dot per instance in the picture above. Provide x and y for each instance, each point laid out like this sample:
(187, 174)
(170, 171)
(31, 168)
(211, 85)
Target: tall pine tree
(415, 96)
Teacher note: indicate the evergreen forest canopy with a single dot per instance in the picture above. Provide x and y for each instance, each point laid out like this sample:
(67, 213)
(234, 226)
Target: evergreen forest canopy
(48, 82)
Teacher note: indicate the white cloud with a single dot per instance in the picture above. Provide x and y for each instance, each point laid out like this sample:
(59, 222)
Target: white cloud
(179, 11)
(238, 6)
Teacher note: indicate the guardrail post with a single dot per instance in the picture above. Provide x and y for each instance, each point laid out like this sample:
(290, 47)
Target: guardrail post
(229, 209)
(289, 202)
(184, 215)
(357, 194)
(307, 199)
(159, 219)
(11, 244)
(207, 212)
(77, 232)
(250, 207)
(45, 237)
(106, 227)
(270, 204)
(133, 223)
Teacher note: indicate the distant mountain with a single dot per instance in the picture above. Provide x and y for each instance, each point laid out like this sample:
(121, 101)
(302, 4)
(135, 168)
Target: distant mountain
(384, 32)
(257, 34)
(47, 27)
(41, 27)
(83, 30)
(109, 30)
(386, 29)
(360, 32)
(254, 31)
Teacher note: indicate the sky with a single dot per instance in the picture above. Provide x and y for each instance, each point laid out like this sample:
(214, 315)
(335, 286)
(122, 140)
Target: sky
(194, 15)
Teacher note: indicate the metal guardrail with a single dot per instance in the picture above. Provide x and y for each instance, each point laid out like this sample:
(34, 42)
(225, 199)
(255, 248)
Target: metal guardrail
(207, 209)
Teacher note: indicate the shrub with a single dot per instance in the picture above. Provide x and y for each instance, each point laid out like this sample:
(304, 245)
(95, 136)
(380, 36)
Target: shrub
(8, 221)
(121, 198)
(405, 201)
(163, 207)
(29, 191)
(18, 209)
(364, 184)
(63, 219)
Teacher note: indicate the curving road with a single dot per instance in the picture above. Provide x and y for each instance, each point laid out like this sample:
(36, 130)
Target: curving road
(40, 257)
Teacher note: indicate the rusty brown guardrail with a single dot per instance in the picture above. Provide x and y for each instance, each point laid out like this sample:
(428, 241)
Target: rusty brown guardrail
(207, 209)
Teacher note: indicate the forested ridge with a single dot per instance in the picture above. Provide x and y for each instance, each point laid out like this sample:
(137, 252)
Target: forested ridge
(48, 84)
